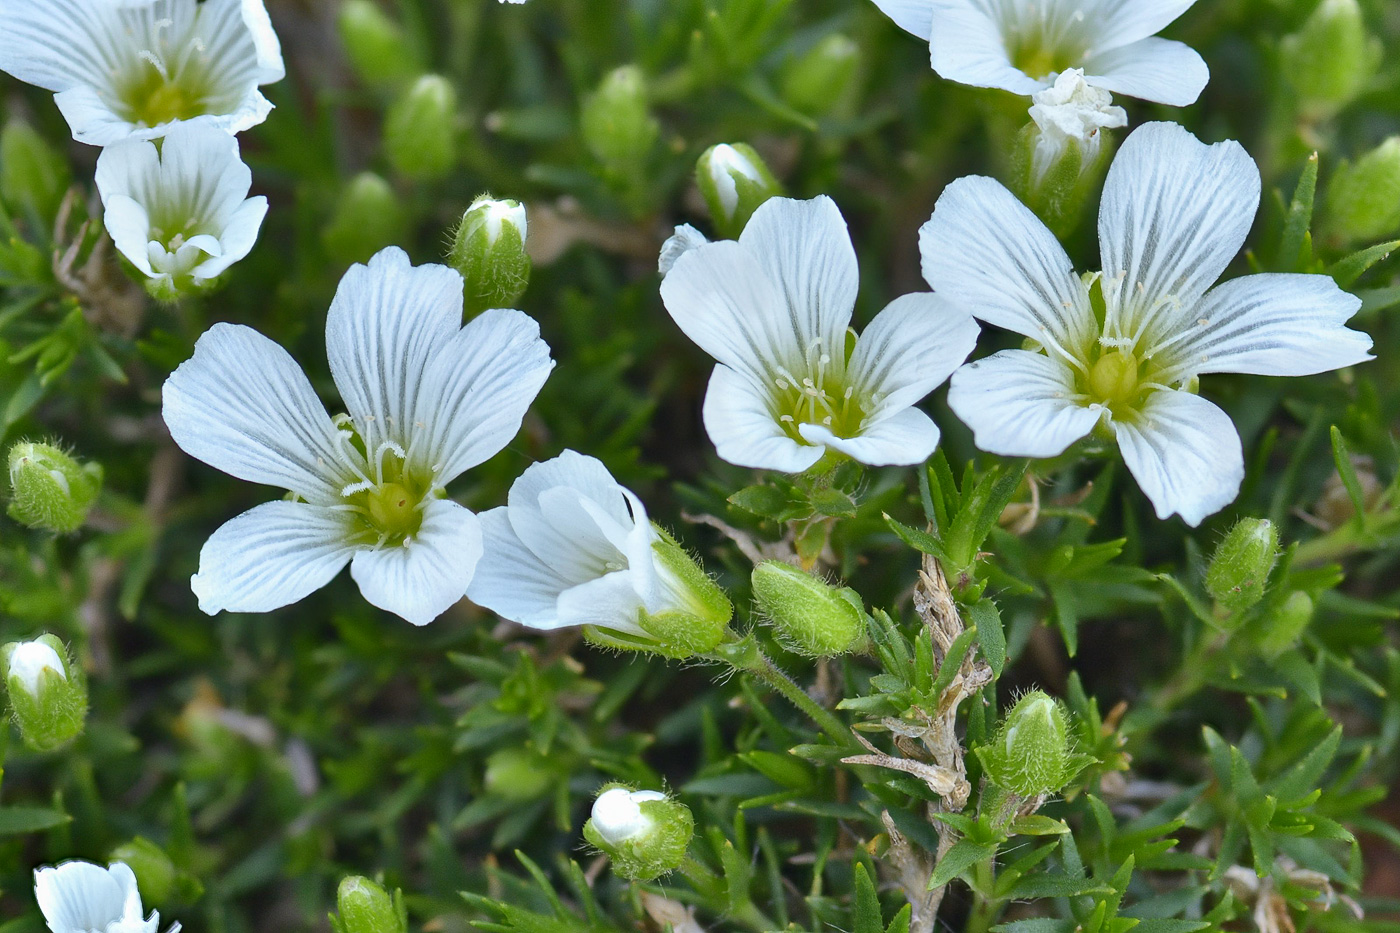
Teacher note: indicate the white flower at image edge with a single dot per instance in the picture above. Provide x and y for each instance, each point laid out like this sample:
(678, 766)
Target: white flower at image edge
(133, 68)
(1175, 212)
(427, 399)
(571, 547)
(181, 213)
(774, 309)
(1022, 45)
(80, 897)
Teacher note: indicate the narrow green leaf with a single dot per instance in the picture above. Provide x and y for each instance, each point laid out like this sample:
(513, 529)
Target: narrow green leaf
(991, 637)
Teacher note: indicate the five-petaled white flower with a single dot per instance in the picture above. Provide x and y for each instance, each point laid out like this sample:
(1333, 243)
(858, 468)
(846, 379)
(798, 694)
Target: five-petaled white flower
(80, 897)
(427, 400)
(1022, 45)
(774, 309)
(181, 213)
(1120, 350)
(123, 68)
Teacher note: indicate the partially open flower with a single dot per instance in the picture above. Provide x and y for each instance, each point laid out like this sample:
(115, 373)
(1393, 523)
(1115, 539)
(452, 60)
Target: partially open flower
(80, 897)
(644, 832)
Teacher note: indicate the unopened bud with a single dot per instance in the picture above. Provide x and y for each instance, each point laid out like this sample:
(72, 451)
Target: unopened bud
(645, 833)
(49, 489)
(368, 217)
(489, 250)
(1286, 624)
(378, 50)
(47, 694)
(616, 120)
(420, 129)
(696, 612)
(1030, 755)
(811, 616)
(734, 180)
(1363, 200)
(33, 175)
(155, 873)
(364, 907)
(822, 80)
(517, 774)
(1331, 59)
(1239, 569)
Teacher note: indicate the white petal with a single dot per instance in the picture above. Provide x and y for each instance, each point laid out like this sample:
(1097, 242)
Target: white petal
(683, 240)
(131, 168)
(910, 349)
(570, 540)
(242, 405)
(422, 580)
(477, 389)
(92, 120)
(76, 897)
(1185, 454)
(237, 239)
(1175, 212)
(914, 16)
(968, 46)
(387, 321)
(130, 229)
(1275, 325)
(1018, 404)
(131, 904)
(511, 580)
(901, 438)
(609, 601)
(745, 432)
(1151, 69)
(201, 172)
(271, 556)
(58, 44)
(987, 253)
(1121, 22)
(28, 662)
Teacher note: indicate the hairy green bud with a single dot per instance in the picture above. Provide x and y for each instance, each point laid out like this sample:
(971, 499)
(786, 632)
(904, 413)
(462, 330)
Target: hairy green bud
(811, 616)
(1031, 755)
(379, 52)
(823, 79)
(365, 907)
(517, 774)
(49, 489)
(155, 872)
(33, 176)
(734, 180)
(48, 695)
(368, 217)
(1363, 200)
(1286, 624)
(616, 121)
(645, 833)
(1331, 59)
(1239, 569)
(489, 250)
(420, 129)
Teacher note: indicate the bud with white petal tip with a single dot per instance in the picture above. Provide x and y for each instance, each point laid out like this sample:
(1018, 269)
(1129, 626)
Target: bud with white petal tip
(1239, 569)
(365, 907)
(420, 129)
(1030, 755)
(47, 694)
(49, 489)
(489, 250)
(734, 181)
(811, 616)
(1331, 59)
(645, 833)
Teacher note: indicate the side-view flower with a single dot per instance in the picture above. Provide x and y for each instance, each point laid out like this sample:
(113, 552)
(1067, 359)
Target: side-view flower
(80, 897)
(134, 68)
(774, 309)
(1023, 45)
(427, 399)
(1121, 350)
(181, 213)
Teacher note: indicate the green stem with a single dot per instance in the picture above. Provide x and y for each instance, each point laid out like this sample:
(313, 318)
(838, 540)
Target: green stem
(745, 655)
(985, 906)
(713, 888)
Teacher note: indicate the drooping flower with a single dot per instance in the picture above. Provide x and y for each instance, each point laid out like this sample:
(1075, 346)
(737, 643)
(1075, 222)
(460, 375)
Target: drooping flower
(80, 897)
(181, 213)
(1071, 114)
(427, 399)
(774, 309)
(573, 548)
(136, 67)
(1023, 45)
(1120, 350)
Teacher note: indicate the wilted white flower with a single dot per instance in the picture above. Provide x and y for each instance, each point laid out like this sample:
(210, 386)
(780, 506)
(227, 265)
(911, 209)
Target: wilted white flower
(30, 659)
(1072, 112)
(80, 897)
(427, 400)
(181, 213)
(1175, 213)
(123, 68)
(1022, 45)
(774, 309)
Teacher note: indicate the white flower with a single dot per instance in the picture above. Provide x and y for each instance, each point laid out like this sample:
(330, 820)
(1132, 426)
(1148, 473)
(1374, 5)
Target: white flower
(618, 816)
(427, 400)
(181, 213)
(80, 897)
(1022, 45)
(124, 68)
(572, 547)
(1072, 112)
(774, 308)
(1175, 213)
(30, 659)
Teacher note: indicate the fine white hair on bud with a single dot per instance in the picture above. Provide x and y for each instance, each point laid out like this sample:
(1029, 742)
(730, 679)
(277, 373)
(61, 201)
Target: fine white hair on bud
(618, 816)
(29, 661)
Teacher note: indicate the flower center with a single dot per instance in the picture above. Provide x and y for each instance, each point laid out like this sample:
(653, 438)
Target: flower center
(389, 497)
(1114, 379)
(393, 509)
(170, 82)
(821, 396)
(165, 102)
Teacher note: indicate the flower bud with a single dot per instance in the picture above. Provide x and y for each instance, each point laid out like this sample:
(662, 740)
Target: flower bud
(155, 873)
(616, 122)
(34, 177)
(47, 694)
(696, 612)
(378, 50)
(489, 250)
(822, 80)
(645, 833)
(420, 129)
(1286, 624)
(368, 217)
(734, 181)
(1363, 200)
(1030, 755)
(49, 489)
(1331, 59)
(517, 774)
(1239, 569)
(365, 907)
(811, 616)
